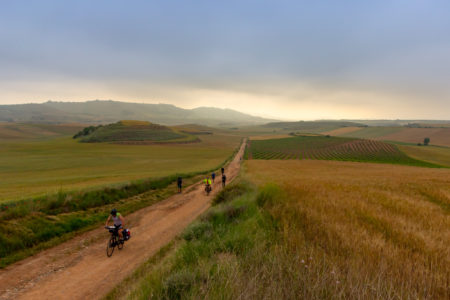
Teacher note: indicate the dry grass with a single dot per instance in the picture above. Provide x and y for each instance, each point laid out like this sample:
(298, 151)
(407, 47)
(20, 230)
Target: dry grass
(354, 230)
(312, 230)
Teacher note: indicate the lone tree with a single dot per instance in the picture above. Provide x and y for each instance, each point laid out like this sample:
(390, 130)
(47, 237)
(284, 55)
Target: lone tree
(426, 141)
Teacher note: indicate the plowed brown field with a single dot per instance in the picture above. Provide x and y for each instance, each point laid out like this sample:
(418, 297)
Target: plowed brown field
(438, 136)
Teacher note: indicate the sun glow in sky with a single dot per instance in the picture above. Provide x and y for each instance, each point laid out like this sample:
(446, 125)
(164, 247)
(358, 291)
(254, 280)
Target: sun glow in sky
(284, 59)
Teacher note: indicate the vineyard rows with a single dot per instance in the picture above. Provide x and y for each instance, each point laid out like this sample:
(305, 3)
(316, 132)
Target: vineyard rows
(327, 148)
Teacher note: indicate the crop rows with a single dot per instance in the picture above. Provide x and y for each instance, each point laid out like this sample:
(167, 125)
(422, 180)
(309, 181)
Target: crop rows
(328, 148)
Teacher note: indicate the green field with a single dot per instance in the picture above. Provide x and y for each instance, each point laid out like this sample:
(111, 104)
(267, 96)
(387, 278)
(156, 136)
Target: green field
(30, 168)
(52, 187)
(372, 132)
(310, 126)
(329, 148)
(433, 154)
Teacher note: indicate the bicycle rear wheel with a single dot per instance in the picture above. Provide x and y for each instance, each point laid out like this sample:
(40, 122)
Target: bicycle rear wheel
(110, 246)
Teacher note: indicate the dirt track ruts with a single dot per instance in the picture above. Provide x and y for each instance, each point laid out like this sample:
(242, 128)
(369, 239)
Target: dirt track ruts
(80, 269)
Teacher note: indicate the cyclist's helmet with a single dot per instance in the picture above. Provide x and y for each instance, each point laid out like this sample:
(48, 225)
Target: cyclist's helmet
(114, 212)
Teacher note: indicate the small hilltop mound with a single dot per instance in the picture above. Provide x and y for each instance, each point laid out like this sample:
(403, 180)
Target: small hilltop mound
(133, 132)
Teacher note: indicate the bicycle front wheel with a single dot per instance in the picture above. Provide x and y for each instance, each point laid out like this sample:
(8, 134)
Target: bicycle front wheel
(110, 246)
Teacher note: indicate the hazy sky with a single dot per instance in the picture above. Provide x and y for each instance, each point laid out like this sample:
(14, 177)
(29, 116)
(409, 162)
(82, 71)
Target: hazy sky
(287, 59)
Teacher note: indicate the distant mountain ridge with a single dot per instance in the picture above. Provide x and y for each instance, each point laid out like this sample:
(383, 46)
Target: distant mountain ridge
(108, 111)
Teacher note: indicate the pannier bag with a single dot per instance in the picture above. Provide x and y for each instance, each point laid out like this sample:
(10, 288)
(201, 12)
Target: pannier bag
(126, 234)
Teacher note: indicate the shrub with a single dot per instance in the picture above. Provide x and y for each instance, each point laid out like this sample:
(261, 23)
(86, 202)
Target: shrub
(178, 284)
(197, 230)
(232, 212)
(230, 192)
(268, 194)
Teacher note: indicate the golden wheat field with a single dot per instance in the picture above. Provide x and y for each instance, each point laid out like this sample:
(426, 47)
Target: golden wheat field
(362, 230)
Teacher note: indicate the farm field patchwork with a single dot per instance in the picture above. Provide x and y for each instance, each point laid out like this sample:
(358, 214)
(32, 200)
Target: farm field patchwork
(329, 148)
(30, 168)
(438, 136)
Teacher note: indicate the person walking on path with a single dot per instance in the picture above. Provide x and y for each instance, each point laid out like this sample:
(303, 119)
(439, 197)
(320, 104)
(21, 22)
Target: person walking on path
(213, 176)
(224, 180)
(179, 184)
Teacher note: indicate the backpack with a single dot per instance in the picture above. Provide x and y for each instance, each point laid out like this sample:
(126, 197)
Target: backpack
(126, 234)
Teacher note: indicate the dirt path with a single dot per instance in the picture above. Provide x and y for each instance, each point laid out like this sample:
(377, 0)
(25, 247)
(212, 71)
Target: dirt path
(80, 269)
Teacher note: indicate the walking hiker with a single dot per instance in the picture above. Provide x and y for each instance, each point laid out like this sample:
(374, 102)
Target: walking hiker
(224, 179)
(179, 184)
(213, 176)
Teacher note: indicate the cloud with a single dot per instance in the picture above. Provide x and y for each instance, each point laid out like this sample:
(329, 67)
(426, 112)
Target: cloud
(290, 58)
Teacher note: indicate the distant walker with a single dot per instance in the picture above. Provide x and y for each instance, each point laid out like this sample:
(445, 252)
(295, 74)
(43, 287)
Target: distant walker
(224, 180)
(179, 184)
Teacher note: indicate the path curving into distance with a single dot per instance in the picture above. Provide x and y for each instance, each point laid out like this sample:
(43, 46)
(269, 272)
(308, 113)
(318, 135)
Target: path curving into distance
(80, 269)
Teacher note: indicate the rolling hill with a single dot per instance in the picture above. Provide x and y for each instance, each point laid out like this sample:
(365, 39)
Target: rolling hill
(96, 112)
(132, 131)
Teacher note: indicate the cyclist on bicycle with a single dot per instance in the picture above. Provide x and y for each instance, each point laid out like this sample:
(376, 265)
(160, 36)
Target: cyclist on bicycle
(207, 182)
(118, 222)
